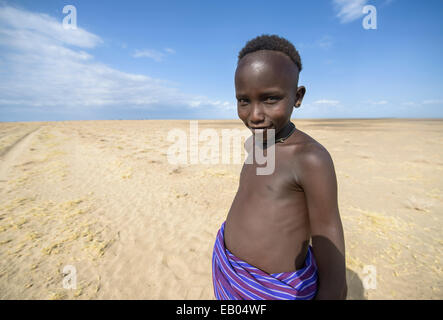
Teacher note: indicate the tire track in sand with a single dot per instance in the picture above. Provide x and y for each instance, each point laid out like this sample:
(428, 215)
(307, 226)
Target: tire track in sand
(10, 153)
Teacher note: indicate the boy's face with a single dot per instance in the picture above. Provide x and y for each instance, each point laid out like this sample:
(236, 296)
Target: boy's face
(266, 90)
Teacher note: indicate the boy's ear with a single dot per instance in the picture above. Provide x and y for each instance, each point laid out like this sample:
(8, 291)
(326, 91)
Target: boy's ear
(299, 96)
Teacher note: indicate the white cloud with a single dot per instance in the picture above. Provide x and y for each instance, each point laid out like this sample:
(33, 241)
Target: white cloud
(433, 101)
(325, 42)
(223, 105)
(25, 24)
(44, 65)
(169, 50)
(153, 54)
(327, 102)
(321, 108)
(423, 103)
(148, 53)
(380, 102)
(349, 10)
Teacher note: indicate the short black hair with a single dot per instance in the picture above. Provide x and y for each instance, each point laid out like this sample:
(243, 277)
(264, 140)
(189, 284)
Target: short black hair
(271, 42)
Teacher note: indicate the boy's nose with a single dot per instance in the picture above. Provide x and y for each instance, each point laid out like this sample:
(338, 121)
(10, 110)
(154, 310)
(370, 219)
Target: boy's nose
(257, 115)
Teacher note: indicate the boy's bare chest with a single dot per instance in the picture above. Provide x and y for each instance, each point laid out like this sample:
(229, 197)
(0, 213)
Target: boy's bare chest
(280, 183)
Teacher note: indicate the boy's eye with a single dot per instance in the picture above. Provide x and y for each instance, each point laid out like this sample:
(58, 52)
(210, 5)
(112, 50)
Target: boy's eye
(242, 101)
(272, 99)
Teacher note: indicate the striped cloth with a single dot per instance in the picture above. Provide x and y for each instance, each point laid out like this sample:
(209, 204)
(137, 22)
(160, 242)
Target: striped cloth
(234, 279)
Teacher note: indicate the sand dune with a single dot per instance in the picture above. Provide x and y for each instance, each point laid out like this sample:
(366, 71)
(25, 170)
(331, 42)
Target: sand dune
(102, 197)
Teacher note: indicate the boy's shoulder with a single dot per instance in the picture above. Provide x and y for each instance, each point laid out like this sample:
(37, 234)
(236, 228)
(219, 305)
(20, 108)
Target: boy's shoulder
(303, 145)
(308, 154)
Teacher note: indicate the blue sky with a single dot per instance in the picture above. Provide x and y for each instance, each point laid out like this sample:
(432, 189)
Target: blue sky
(176, 59)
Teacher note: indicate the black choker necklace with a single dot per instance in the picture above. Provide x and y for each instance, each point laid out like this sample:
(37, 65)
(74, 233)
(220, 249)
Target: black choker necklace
(285, 133)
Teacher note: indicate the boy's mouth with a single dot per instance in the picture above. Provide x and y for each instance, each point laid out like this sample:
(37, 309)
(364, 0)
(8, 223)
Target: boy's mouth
(260, 128)
(261, 131)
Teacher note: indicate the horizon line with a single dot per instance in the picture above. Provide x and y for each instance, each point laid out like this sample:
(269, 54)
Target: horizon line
(236, 119)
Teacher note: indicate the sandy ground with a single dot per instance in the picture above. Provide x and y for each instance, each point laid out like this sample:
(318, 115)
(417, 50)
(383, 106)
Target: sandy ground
(101, 196)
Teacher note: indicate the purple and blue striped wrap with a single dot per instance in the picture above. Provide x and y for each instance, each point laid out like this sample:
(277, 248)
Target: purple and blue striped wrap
(234, 279)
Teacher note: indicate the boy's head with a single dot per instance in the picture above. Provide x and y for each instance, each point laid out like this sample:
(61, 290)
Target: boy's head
(266, 82)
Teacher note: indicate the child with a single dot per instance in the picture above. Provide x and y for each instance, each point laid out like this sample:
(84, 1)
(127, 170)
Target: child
(263, 250)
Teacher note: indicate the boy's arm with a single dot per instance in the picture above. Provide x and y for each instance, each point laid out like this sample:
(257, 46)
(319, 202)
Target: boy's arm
(316, 175)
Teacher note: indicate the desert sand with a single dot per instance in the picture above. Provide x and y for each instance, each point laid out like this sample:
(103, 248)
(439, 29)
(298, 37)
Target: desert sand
(102, 197)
